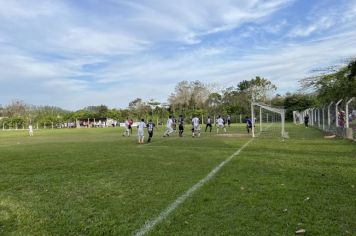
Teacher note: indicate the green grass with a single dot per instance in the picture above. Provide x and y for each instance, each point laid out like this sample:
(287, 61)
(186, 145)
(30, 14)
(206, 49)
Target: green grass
(96, 182)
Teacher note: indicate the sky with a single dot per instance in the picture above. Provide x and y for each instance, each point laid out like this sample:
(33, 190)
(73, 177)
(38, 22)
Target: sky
(74, 54)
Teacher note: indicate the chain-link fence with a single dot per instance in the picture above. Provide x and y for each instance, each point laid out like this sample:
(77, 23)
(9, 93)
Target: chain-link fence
(337, 117)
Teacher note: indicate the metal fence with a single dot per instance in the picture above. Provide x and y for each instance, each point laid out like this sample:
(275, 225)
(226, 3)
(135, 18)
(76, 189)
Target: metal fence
(337, 117)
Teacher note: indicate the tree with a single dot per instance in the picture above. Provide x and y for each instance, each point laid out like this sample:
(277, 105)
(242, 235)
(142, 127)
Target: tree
(332, 86)
(214, 103)
(298, 102)
(258, 89)
(16, 108)
(189, 96)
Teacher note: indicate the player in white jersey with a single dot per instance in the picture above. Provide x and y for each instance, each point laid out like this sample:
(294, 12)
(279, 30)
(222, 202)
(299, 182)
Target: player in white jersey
(196, 127)
(30, 130)
(221, 125)
(169, 128)
(127, 128)
(140, 131)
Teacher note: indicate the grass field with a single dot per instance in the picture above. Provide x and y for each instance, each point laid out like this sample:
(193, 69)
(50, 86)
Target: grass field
(96, 182)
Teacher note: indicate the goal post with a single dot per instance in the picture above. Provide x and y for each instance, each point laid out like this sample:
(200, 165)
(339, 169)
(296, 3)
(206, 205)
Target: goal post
(267, 120)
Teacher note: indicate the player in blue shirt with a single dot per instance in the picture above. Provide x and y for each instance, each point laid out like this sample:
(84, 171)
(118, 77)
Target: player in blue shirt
(248, 124)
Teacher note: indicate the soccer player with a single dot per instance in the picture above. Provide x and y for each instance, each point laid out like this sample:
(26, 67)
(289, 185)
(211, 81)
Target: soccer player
(181, 125)
(127, 128)
(196, 127)
(228, 120)
(248, 124)
(169, 129)
(208, 124)
(30, 130)
(221, 124)
(140, 131)
(150, 127)
(306, 120)
(174, 125)
(130, 125)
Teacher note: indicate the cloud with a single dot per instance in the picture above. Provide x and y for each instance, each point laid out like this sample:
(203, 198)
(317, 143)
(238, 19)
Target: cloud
(323, 19)
(78, 53)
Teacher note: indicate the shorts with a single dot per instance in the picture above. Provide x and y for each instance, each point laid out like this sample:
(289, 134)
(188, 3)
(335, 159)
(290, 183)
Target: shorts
(140, 133)
(196, 128)
(221, 126)
(181, 127)
(150, 134)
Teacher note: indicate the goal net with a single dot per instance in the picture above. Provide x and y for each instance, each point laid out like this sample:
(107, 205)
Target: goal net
(267, 121)
(298, 117)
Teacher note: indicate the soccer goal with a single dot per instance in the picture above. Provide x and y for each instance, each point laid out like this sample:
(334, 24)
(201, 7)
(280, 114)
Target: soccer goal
(267, 120)
(298, 117)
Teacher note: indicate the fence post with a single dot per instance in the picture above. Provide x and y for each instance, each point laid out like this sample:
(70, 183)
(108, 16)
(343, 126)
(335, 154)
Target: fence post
(252, 120)
(319, 117)
(336, 113)
(260, 119)
(323, 117)
(329, 121)
(240, 119)
(347, 112)
(283, 118)
(315, 116)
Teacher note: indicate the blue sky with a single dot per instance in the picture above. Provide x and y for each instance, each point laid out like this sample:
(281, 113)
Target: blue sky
(78, 53)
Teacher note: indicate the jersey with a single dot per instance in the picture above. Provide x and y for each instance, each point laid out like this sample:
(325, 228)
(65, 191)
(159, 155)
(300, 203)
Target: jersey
(169, 123)
(181, 121)
(150, 126)
(220, 121)
(195, 121)
(249, 123)
(141, 126)
(208, 121)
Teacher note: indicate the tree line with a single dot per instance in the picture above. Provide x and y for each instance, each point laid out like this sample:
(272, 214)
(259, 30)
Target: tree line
(196, 98)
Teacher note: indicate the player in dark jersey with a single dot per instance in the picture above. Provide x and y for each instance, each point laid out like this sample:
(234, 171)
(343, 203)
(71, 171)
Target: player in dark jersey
(174, 125)
(130, 125)
(181, 125)
(248, 124)
(228, 120)
(150, 126)
(208, 124)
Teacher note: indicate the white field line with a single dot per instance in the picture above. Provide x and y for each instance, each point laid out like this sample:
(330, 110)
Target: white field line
(186, 148)
(165, 213)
